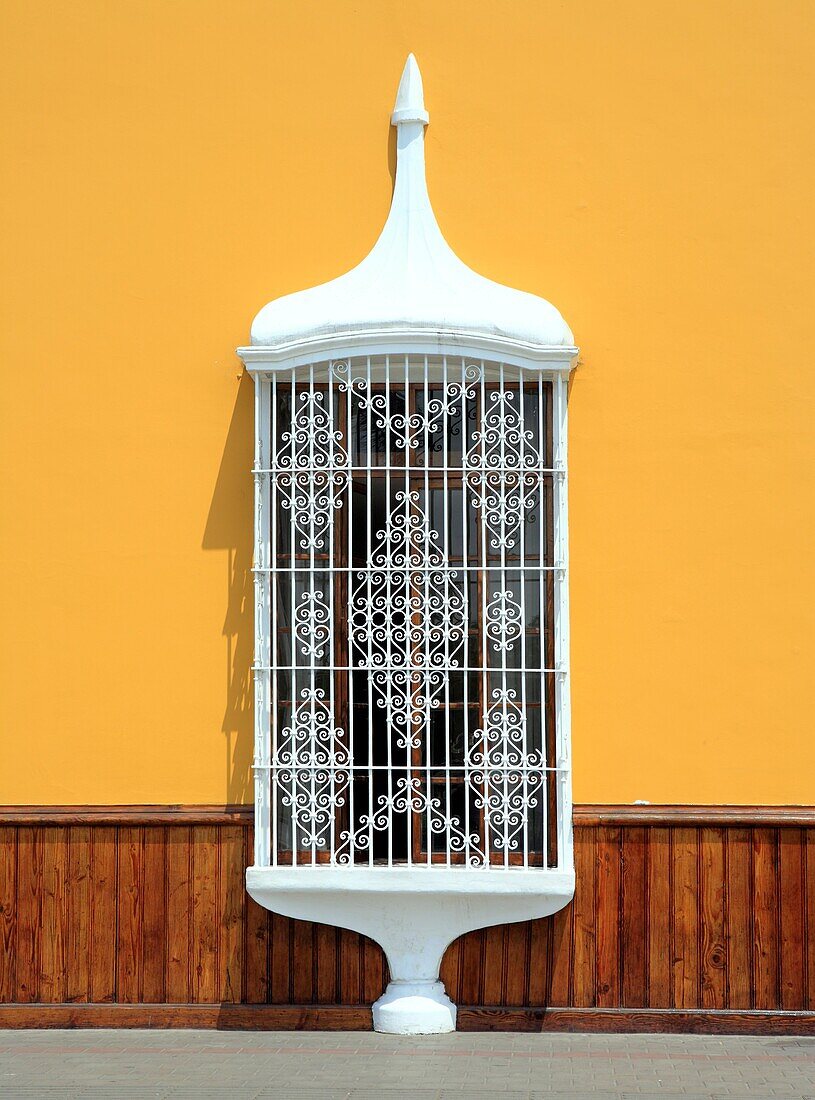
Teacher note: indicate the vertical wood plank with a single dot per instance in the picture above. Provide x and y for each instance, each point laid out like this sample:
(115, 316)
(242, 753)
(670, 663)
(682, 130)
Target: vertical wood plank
(685, 878)
(609, 840)
(78, 922)
(232, 903)
(793, 918)
(373, 979)
(633, 946)
(540, 935)
(257, 975)
(52, 937)
(739, 906)
(281, 984)
(765, 918)
(257, 939)
(712, 912)
(660, 973)
(303, 970)
(492, 981)
(178, 979)
(516, 964)
(810, 926)
(29, 919)
(104, 913)
(450, 966)
(154, 915)
(325, 964)
(350, 967)
(472, 969)
(560, 972)
(129, 944)
(8, 912)
(585, 948)
(204, 913)
(809, 860)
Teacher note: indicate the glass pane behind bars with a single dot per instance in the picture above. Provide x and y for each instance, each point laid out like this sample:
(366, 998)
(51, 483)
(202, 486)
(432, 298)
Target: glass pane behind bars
(411, 614)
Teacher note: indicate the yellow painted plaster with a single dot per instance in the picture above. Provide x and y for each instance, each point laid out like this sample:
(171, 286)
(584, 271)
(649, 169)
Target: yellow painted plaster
(170, 166)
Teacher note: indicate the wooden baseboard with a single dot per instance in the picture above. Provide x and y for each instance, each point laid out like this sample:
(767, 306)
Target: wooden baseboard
(220, 1017)
(231, 1017)
(637, 1021)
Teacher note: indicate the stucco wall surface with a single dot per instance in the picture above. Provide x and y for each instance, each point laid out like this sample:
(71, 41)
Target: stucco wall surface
(169, 167)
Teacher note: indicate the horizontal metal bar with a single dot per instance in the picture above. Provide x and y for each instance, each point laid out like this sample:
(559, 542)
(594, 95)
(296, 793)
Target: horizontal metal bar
(437, 771)
(420, 471)
(496, 669)
(308, 569)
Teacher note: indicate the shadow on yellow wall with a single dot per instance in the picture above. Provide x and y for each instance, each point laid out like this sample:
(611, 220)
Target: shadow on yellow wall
(229, 527)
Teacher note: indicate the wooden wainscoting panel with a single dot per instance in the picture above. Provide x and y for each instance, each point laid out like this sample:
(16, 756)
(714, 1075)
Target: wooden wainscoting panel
(659, 919)
(103, 917)
(634, 917)
(739, 902)
(696, 918)
(584, 949)
(792, 907)
(8, 913)
(713, 946)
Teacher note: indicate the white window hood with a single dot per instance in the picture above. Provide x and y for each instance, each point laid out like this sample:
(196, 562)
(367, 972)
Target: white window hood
(411, 285)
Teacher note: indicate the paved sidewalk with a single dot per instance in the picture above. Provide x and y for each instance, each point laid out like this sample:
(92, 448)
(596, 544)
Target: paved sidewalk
(205, 1065)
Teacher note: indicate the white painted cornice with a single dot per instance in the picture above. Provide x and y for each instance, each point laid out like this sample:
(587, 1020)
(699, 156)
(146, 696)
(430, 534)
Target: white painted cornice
(411, 286)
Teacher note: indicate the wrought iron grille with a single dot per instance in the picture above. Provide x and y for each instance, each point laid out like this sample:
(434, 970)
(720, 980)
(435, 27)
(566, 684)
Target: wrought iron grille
(411, 650)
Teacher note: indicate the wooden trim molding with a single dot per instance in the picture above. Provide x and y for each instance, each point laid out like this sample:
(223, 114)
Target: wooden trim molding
(584, 814)
(229, 1017)
(127, 815)
(658, 814)
(684, 919)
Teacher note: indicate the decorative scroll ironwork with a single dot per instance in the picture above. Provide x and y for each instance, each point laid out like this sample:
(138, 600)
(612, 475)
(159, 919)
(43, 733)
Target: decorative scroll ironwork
(502, 469)
(311, 770)
(504, 775)
(313, 470)
(411, 795)
(504, 621)
(312, 625)
(407, 619)
(405, 738)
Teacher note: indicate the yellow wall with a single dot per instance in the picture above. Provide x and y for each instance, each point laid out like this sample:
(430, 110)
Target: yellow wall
(170, 165)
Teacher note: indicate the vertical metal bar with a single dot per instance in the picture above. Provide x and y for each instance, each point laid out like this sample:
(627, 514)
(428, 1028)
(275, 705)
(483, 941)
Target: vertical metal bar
(262, 718)
(311, 582)
(295, 489)
(272, 577)
(350, 445)
(504, 398)
(467, 650)
(543, 426)
(562, 699)
(387, 409)
(369, 591)
(522, 604)
(428, 717)
(448, 588)
(332, 468)
(485, 660)
(412, 659)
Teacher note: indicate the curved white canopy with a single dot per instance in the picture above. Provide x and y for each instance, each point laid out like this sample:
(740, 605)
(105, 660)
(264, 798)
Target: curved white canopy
(412, 282)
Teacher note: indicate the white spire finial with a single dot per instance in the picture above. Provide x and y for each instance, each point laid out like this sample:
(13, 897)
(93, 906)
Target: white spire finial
(409, 106)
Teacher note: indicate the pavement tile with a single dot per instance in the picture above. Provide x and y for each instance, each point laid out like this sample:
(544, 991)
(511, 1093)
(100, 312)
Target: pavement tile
(203, 1065)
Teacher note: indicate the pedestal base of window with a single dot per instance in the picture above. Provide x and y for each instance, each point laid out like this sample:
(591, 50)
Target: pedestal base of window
(414, 1008)
(414, 914)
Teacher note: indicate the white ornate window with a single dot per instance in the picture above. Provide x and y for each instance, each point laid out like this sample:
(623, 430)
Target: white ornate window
(412, 707)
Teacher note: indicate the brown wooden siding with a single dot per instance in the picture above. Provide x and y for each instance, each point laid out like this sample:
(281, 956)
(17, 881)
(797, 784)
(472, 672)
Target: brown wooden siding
(696, 912)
